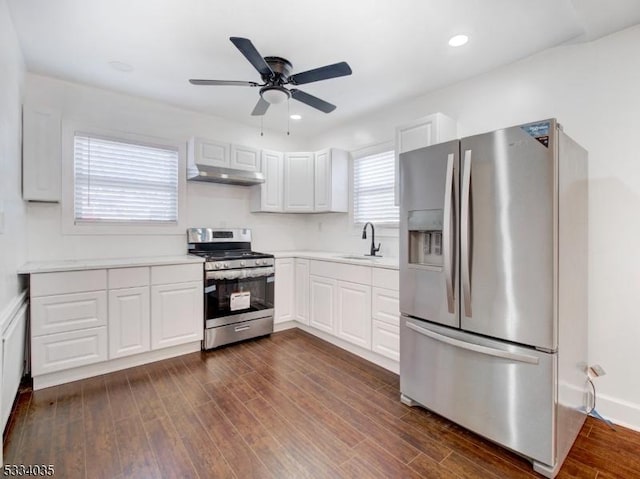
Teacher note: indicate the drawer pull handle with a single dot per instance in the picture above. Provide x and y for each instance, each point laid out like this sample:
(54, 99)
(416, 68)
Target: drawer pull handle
(237, 329)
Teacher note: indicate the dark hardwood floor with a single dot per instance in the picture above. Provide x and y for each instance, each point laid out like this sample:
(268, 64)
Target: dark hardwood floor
(289, 405)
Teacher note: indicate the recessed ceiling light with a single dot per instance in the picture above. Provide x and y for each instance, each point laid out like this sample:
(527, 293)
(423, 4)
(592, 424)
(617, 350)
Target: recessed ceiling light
(458, 40)
(121, 66)
(296, 117)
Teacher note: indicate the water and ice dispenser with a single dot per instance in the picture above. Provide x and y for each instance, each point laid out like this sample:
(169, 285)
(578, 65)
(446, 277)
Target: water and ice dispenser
(425, 237)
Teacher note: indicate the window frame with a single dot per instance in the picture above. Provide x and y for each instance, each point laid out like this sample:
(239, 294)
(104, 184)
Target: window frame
(382, 231)
(69, 225)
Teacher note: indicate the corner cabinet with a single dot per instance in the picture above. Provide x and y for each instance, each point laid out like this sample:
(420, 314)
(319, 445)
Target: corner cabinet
(298, 182)
(426, 131)
(303, 182)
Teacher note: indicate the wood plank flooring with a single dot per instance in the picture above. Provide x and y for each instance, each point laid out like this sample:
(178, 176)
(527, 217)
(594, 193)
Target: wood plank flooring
(289, 405)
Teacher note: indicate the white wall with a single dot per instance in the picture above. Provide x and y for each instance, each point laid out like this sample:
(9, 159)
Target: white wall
(12, 237)
(594, 91)
(209, 204)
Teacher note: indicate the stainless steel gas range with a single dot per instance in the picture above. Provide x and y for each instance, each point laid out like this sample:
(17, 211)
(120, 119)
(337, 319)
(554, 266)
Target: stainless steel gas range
(238, 285)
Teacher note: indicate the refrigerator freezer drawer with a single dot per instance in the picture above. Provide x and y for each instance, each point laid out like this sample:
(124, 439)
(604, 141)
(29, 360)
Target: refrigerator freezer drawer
(501, 391)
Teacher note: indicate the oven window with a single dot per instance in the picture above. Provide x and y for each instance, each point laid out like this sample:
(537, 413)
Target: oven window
(226, 297)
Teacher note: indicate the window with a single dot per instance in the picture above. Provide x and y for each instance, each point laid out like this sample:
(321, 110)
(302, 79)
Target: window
(373, 189)
(124, 182)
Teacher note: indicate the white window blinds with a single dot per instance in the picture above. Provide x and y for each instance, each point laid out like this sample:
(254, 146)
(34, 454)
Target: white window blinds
(117, 181)
(373, 189)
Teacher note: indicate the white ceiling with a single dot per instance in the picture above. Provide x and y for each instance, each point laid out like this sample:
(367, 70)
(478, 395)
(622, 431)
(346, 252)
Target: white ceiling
(396, 48)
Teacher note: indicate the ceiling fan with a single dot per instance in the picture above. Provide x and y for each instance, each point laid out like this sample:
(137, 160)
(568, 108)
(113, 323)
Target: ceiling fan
(276, 73)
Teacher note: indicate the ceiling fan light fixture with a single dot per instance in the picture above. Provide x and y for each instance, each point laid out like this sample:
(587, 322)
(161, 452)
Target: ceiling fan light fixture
(458, 40)
(274, 94)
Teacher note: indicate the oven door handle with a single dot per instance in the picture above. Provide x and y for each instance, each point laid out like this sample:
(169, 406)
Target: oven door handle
(240, 273)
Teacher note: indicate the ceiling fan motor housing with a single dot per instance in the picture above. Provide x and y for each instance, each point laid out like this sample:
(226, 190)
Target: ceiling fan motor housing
(281, 68)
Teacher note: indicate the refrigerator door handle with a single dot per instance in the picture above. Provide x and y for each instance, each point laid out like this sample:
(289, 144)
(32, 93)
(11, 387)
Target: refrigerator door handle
(446, 233)
(465, 226)
(498, 353)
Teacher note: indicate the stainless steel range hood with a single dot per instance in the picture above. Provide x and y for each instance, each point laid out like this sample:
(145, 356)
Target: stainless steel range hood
(215, 174)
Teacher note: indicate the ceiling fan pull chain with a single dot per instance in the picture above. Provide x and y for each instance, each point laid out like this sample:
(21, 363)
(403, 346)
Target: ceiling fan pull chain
(262, 126)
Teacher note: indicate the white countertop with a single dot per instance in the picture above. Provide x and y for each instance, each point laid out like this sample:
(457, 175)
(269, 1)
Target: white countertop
(338, 257)
(83, 264)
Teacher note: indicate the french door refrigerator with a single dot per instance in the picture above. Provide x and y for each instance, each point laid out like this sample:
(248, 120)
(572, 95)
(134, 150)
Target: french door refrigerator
(493, 286)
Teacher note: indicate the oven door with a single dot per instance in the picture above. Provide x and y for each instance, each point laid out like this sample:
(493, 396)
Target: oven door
(236, 295)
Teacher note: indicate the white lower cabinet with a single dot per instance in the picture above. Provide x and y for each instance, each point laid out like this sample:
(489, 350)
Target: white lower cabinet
(79, 318)
(129, 322)
(55, 352)
(322, 292)
(301, 280)
(353, 314)
(176, 314)
(283, 294)
(386, 340)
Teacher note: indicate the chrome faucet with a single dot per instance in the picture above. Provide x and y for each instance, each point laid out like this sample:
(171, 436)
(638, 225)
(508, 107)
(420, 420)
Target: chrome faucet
(374, 250)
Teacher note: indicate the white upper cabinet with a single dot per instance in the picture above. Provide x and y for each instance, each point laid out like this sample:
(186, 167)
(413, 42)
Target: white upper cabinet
(331, 181)
(41, 155)
(209, 152)
(426, 131)
(269, 195)
(245, 158)
(298, 182)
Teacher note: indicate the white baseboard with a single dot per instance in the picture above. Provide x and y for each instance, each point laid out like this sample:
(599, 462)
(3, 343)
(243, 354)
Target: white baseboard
(618, 411)
(375, 358)
(62, 377)
(284, 326)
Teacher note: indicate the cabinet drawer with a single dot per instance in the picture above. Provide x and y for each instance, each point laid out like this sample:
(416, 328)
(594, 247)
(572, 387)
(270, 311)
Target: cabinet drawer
(386, 278)
(385, 306)
(176, 273)
(68, 312)
(385, 340)
(341, 271)
(56, 352)
(128, 277)
(44, 284)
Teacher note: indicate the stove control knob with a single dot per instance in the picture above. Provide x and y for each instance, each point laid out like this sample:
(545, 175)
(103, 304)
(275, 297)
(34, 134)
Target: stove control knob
(226, 265)
(241, 263)
(217, 265)
(258, 262)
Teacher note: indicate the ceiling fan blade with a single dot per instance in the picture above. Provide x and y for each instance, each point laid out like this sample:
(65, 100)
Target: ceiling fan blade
(223, 82)
(249, 51)
(323, 73)
(261, 107)
(312, 101)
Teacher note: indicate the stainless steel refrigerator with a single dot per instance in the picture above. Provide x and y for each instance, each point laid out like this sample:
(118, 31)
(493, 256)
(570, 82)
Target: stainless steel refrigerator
(493, 286)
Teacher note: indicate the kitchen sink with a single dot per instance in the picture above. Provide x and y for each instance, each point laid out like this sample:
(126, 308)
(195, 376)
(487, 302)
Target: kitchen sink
(352, 256)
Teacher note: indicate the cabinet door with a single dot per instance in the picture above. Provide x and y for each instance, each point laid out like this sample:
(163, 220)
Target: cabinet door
(422, 132)
(284, 290)
(176, 314)
(129, 327)
(269, 195)
(298, 182)
(322, 303)
(354, 313)
(385, 305)
(322, 181)
(245, 158)
(68, 312)
(41, 156)
(57, 352)
(385, 340)
(208, 152)
(302, 291)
